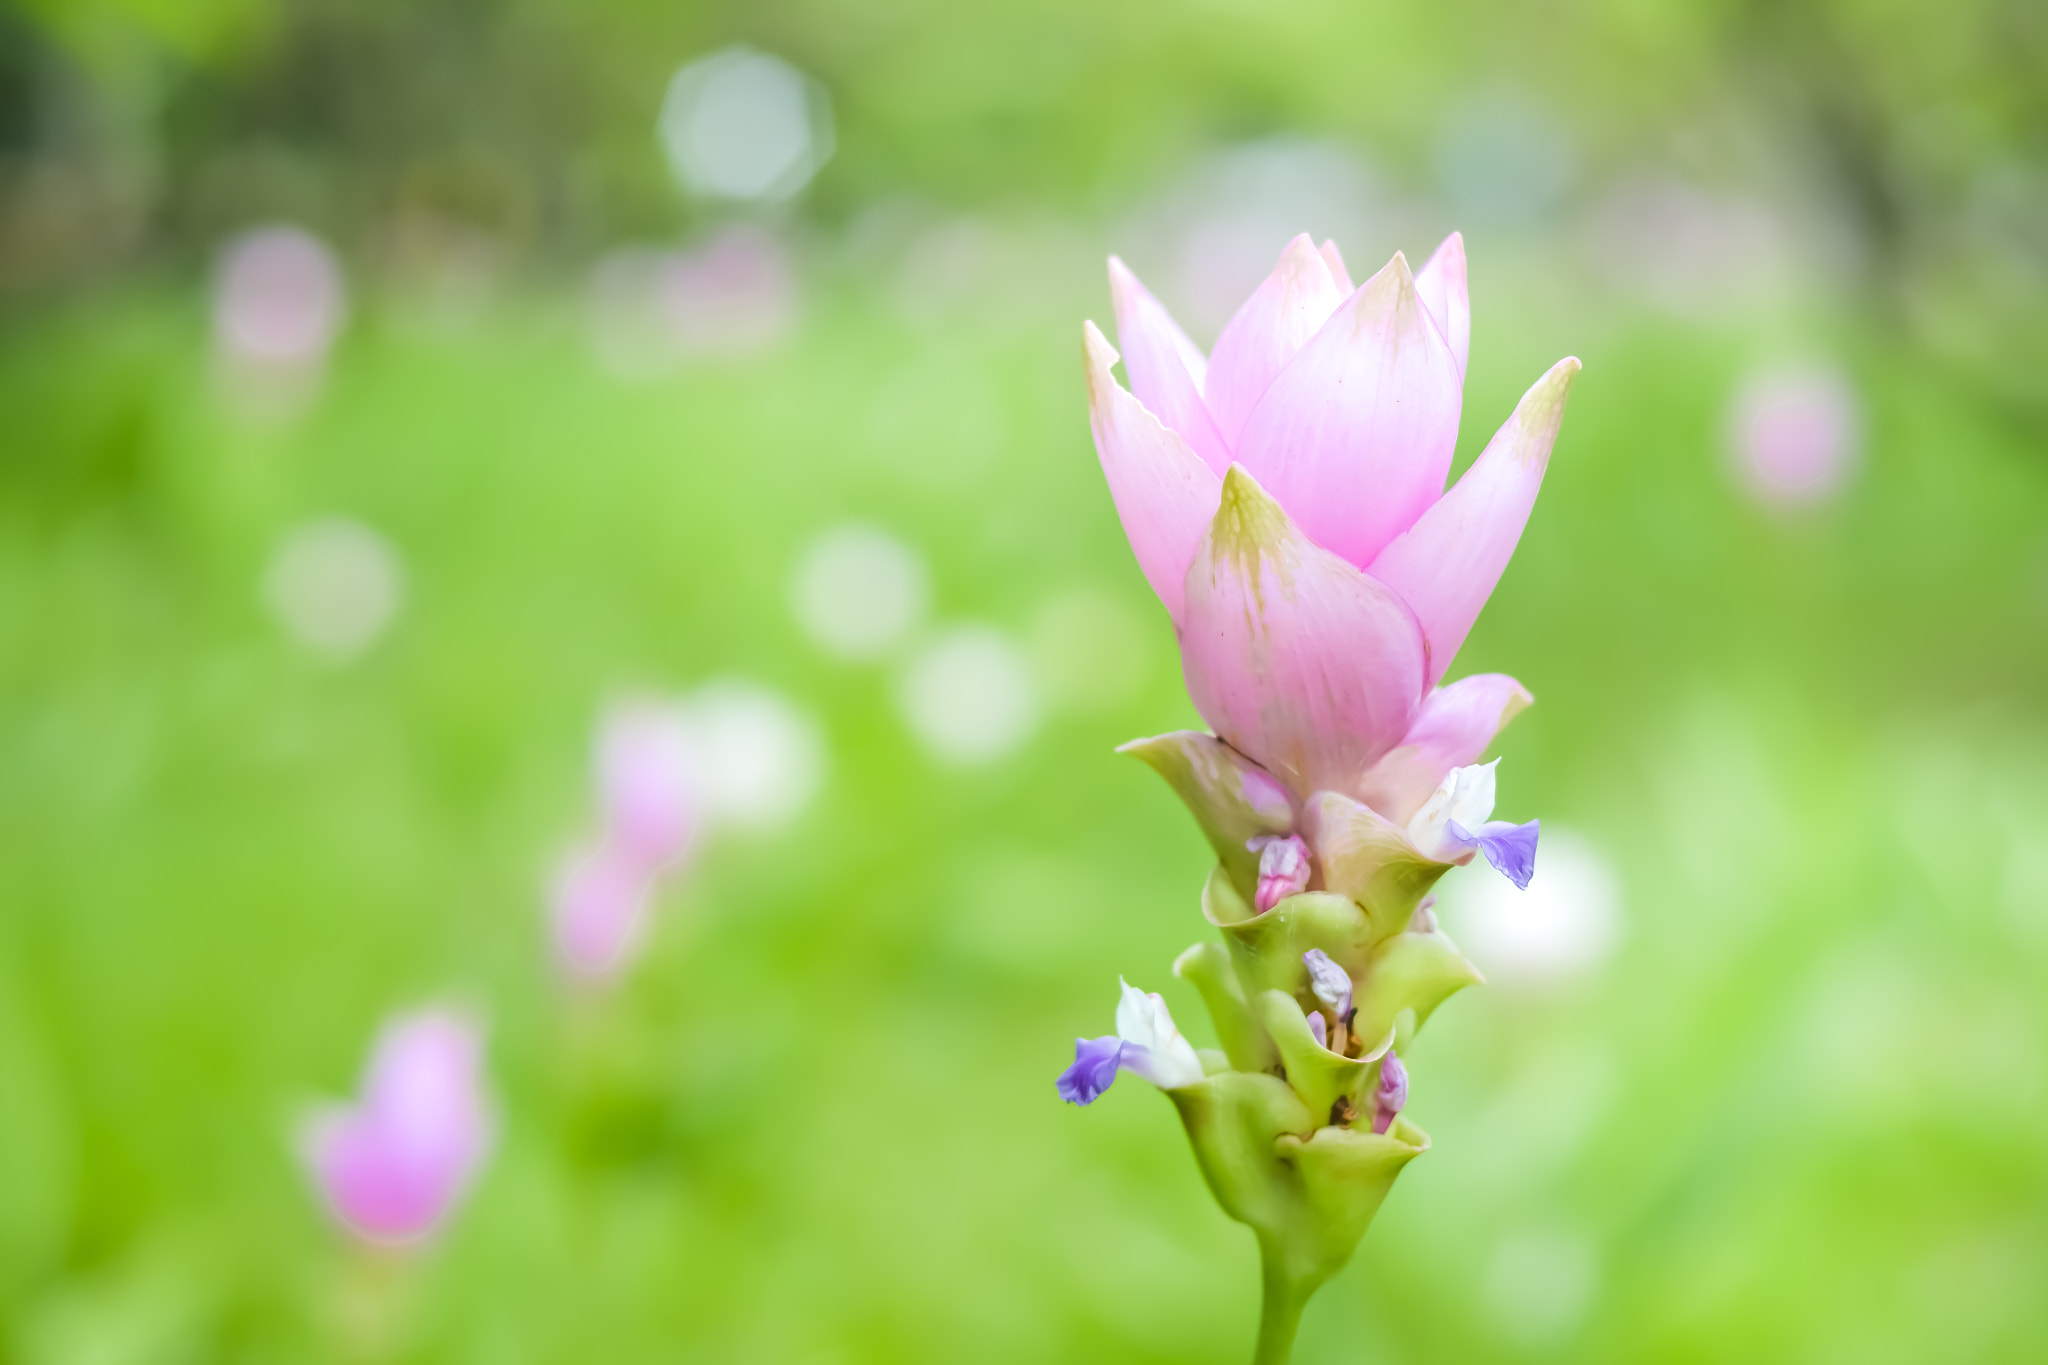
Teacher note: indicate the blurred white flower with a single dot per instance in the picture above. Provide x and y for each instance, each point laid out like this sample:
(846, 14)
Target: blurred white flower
(859, 592)
(968, 696)
(1794, 435)
(334, 584)
(759, 760)
(741, 124)
(1562, 927)
(278, 298)
(1540, 1282)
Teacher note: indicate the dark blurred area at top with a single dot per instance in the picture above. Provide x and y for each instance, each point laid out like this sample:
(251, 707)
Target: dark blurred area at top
(135, 134)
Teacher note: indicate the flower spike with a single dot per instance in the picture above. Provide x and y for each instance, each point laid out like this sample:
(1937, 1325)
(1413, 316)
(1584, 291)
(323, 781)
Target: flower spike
(1285, 499)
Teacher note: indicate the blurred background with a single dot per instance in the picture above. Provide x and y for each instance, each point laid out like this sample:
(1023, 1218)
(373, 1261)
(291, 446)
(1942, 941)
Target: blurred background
(389, 388)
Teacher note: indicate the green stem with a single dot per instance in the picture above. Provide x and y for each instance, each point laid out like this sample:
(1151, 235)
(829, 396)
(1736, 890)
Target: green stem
(1280, 1313)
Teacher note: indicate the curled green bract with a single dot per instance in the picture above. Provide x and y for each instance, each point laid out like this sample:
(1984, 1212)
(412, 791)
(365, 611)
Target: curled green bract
(1285, 1136)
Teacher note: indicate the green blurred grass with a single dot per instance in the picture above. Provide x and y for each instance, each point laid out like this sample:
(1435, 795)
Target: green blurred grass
(1801, 1115)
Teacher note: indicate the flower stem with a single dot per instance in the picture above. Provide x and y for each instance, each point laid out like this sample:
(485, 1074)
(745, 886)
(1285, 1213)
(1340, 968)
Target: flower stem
(1280, 1313)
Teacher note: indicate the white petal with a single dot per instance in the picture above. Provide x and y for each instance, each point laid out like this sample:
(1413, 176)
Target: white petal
(1168, 1060)
(1464, 796)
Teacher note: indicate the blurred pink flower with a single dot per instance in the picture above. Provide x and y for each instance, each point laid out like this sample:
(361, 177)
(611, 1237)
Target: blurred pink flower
(1285, 498)
(651, 310)
(645, 784)
(278, 299)
(734, 295)
(648, 792)
(600, 905)
(1793, 434)
(393, 1164)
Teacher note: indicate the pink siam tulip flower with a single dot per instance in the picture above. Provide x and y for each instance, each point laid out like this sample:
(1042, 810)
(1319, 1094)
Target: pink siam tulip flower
(1285, 498)
(393, 1164)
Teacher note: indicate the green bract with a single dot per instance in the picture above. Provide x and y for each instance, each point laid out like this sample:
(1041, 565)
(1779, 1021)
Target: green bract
(1282, 1124)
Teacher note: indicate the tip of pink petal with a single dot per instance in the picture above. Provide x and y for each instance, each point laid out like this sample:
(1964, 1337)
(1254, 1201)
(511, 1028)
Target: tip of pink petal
(1247, 516)
(1548, 393)
(1097, 357)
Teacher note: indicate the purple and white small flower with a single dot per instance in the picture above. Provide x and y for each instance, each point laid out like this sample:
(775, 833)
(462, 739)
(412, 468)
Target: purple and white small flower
(1146, 1043)
(1283, 868)
(1457, 819)
(1331, 983)
(1391, 1095)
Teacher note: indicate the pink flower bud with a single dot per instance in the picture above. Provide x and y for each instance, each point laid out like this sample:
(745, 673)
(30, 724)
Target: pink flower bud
(392, 1165)
(1283, 868)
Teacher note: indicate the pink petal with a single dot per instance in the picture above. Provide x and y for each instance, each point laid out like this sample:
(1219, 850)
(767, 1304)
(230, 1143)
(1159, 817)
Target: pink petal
(1335, 260)
(423, 1082)
(599, 907)
(1275, 322)
(1355, 436)
(645, 781)
(374, 1189)
(1302, 663)
(1441, 283)
(1163, 492)
(393, 1165)
(1166, 369)
(1445, 566)
(1452, 728)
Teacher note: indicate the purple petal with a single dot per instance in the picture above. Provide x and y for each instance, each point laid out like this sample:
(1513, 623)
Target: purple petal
(1318, 1028)
(1095, 1064)
(1299, 661)
(1166, 369)
(1164, 494)
(1511, 848)
(1354, 437)
(1446, 563)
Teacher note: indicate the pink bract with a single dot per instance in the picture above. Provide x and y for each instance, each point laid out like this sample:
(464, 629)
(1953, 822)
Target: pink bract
(393, 1164)
(1285, 498)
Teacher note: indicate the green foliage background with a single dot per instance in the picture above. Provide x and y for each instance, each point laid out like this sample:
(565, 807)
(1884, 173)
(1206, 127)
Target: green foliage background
(1802, 1114)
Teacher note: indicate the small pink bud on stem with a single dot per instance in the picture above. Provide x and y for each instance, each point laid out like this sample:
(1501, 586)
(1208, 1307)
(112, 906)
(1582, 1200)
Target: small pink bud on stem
(1283, 868)
(1391, 1093)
